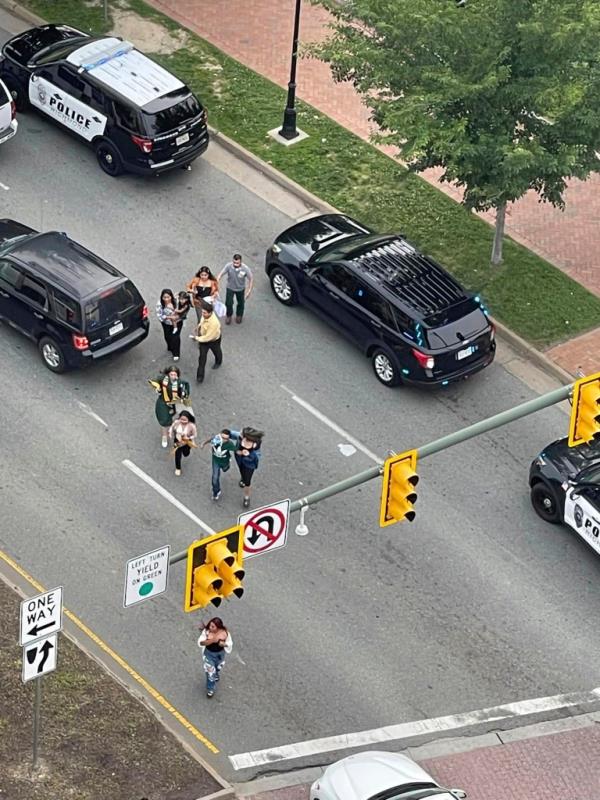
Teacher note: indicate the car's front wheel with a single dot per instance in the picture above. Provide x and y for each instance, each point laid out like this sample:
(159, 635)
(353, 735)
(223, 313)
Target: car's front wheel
(109, 159)
(283, 286)
(543, 500)
(385, 368)
(52, 354)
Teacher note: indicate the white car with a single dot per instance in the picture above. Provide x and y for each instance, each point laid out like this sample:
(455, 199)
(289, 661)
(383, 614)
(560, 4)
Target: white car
(379, 776)
(8, 114)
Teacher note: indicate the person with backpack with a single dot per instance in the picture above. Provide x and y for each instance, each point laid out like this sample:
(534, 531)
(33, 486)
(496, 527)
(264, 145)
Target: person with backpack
(223, 445)
(247, 457)
(215, 642)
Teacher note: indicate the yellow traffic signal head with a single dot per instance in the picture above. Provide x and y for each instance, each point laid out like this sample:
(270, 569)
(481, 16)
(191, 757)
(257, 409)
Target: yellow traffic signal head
(585, 413)
(214, 569)
(398, 493)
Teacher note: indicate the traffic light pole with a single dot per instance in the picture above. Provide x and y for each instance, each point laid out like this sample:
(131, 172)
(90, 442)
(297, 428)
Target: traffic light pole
(463, 435)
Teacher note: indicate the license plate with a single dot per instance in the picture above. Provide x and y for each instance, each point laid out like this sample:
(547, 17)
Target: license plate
(468, 351)
(116, 328)
(185, 137)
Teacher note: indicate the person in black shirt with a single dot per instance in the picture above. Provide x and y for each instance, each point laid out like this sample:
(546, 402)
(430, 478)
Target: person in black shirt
(214, 641)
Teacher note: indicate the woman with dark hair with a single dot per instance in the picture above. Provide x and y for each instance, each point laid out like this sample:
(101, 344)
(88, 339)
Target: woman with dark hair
(247, 456)
(203, 286)
(215, 641)
(183, 432)
(166, 311)
(171, 389)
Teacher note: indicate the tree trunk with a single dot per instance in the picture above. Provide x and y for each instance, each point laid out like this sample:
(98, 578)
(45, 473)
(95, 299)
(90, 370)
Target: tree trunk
(498, 234)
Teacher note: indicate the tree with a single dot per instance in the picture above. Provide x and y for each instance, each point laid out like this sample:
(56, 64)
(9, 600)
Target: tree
(504, 95)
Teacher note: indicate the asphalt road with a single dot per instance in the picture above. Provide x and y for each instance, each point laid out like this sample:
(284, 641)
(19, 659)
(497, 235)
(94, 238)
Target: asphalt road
(475, 604)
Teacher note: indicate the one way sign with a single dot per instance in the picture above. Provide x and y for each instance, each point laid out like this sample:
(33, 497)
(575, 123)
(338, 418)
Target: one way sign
(41, 616)
(39, 658)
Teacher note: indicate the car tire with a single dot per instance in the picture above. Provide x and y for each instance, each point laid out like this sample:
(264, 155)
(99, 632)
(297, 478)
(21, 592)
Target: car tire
(52, 354)
(385, 368)
(109, 158)
(18, 93)
(283, 287)
(544, 502)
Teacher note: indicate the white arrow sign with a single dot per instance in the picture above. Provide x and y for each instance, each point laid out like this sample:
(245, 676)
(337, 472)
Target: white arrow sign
(41, 616)
(39, 658)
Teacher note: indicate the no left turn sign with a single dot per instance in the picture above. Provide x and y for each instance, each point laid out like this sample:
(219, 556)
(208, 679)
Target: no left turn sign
(265, 529)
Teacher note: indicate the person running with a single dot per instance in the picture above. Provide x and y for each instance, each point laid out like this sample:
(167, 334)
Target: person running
(171, 389)
(223, 445)
(183, 432)
(247, 457)
(215, 641)
(208, 338)
(203, 286)
(239, 287)
(166, 311)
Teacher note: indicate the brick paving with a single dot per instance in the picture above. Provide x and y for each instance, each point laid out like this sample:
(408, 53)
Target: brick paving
(560, 766)
(258, 33)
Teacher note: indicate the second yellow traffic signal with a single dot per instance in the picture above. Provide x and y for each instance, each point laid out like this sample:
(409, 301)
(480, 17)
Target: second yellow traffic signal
(585, 414)
(215, 569)
(398, 494)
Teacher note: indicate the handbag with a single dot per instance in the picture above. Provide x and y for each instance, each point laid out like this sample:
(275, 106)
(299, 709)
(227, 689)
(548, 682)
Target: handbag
(219, 308)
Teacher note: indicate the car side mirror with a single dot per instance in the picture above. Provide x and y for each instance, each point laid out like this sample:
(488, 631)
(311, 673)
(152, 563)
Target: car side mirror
(458, 793)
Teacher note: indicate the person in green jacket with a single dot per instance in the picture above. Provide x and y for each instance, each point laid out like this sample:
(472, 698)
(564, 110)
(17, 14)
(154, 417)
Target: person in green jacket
(171, 389)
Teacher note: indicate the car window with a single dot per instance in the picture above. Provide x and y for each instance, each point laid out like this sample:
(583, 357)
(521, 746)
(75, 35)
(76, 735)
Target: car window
(35, 291)
(340, 277)
(127, 117)
(110, 304)
(375, 304)
(74, 85)
(9, 273)
(67, 309)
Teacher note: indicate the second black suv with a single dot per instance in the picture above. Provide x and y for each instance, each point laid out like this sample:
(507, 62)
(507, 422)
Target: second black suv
(414, 320)
(75, 306)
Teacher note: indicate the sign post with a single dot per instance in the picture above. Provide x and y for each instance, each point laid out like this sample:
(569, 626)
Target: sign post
(265, 529)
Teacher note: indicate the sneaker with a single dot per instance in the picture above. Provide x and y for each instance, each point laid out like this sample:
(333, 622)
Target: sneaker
(227, 320)
(165, 441)
(238, 320)
(178, 472)
(209, 694)
(242, 484)
(216, 366)
(175, 358)
(216, 496)
(246, 502)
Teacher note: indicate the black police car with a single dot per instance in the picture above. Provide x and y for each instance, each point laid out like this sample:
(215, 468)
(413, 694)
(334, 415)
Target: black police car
(75, 306)
(137, 116)
(408, 315)
(565, 487)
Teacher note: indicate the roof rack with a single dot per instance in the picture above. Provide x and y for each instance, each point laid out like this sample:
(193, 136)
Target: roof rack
(420, 281)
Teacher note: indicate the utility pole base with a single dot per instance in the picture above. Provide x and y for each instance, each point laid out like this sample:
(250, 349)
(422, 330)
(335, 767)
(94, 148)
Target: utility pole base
(276, 134)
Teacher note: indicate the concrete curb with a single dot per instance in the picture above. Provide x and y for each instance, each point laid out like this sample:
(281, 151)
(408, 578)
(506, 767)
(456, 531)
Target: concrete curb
(312, 201)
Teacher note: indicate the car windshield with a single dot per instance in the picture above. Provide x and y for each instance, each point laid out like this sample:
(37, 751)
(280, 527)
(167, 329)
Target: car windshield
(8, 245)
(590, 474)
(110, 305)
(411, 791)
(172, 115)
(23, 48)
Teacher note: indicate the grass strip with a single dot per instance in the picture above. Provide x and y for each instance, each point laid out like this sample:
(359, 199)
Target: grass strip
(528, 294)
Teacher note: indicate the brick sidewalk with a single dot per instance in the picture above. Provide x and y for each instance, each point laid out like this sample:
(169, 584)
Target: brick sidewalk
(259, 35)
(559, 766)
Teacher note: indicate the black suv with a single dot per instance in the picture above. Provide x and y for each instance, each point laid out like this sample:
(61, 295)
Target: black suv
(137, 116)
(75, 306)
(414, 320)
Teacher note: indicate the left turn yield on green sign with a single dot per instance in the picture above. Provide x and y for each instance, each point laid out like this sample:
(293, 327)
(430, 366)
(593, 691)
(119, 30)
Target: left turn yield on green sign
(146, 576)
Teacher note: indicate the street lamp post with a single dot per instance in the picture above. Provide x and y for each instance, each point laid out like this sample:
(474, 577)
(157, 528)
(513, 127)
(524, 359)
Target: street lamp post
(289, 130)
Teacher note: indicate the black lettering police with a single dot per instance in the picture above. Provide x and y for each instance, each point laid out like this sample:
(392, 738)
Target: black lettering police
(79, 118)
(591, 527)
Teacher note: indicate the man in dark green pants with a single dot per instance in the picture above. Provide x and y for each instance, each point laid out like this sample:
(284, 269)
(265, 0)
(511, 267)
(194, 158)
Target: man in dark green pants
(239, 287)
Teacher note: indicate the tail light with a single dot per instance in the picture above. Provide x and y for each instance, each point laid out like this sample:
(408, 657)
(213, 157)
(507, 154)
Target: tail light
(145, 312)
(13, 109)
(80, 342)
(425, 361)
(144, 144)
(492, 331)
(204, 115)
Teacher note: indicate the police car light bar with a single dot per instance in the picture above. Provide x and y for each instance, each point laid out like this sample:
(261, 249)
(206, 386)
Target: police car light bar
(116, 51)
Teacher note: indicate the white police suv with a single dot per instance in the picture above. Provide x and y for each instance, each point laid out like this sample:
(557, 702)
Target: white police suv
(137, 116)
(565, 487)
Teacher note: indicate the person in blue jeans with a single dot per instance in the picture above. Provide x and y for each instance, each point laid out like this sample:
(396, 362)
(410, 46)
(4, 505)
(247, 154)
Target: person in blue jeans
(223, 445)
(247, 457)
(215, 641)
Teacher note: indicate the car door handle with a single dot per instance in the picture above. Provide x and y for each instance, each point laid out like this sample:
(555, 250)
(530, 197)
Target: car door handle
(5, 294)
(333, 294)
(39, 316)
(376, 324)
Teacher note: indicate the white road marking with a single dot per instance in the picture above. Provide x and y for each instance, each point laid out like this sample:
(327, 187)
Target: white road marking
(5, 187)
(406, 730)
(334, 426)
(167, 495)
(87, 410)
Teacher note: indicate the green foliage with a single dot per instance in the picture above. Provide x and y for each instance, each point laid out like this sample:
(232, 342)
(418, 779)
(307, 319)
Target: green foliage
(504, 95)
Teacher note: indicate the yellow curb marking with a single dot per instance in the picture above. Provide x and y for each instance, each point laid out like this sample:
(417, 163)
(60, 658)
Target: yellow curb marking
(117, 658)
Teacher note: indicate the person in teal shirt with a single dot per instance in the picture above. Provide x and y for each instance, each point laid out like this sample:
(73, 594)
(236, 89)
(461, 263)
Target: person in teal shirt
(223, 445)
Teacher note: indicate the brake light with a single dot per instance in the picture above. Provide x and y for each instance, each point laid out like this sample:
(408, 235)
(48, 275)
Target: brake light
(13, 109)
(492, 331)
(204, 115)
(425, 361)
(144, 144)
(145, 312)
(80, 342)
